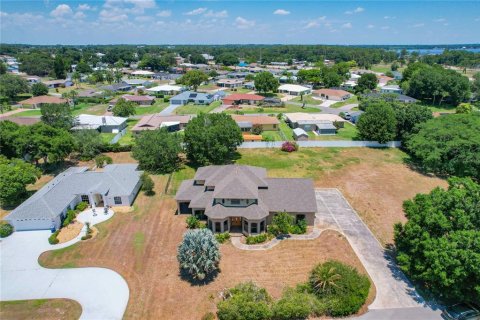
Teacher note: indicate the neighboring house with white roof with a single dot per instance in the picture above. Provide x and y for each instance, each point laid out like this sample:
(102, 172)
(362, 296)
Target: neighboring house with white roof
(104, 124)
(143, 73)
(116, 185)
(137, 82)
(391, 89)
(166, 89)
(238, 198)
(322, 123)
(294, 89)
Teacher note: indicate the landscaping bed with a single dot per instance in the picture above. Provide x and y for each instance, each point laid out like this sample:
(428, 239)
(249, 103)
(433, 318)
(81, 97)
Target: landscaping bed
(40, 309)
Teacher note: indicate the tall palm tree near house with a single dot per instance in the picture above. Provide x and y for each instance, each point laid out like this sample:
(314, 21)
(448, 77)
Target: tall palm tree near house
(323, 279)
(76, 78)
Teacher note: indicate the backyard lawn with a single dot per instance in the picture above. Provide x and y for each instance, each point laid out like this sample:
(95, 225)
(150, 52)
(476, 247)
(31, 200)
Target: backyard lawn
(158, 106)
(41, 309)
(81, 108)
(196, 109)
(339, 104)
(349, 132)
(128, 137)
(308, 99)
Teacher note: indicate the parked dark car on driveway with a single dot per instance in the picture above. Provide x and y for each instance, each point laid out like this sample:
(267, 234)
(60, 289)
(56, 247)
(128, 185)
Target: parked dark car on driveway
(461, 311)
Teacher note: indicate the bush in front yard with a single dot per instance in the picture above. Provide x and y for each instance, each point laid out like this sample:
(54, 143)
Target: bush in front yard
(341, 286)
(222, 237)
(299, 228)
(71, 214)
(6, 229)
(297, 305)
(192, 222)
(199, 253)
(257, 239)
(81, 206)
(281, 223)
(246, 301)
(53, 238)
(289, 146)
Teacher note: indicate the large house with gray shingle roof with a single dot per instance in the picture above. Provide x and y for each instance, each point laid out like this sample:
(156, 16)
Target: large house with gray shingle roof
(243, 199)
(115, 185)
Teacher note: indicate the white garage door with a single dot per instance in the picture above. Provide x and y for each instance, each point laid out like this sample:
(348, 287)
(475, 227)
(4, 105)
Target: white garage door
(24, 225)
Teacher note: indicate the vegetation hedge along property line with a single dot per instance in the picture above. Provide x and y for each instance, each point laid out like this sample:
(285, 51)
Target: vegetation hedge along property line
(334, 289)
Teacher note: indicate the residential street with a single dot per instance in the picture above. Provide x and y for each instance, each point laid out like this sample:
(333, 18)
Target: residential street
(102, 293)
(336, 111)
(394, 291)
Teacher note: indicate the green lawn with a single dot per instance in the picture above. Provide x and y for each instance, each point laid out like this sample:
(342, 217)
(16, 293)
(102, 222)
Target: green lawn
(384, 67)
(107, 137)
(339, 104)
(287, 131)
(28, 113)
(238, 90)
(270, 110)
(442, 108)
(271, 136)
(308, 99)
(349, 132)
(81, 108)
(155, 108)
(196, 109)
(128, 137)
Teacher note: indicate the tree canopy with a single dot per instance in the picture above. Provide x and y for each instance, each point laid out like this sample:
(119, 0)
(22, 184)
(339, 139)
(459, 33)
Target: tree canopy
(39, 89)
(193, 79)
(378, 123)
(266, 82)
(448, 145)
(124, 108)
(157, 150)
(15, 175)
(212, 138)
(11, 86)
(366, 82)
(439, 246)
(88, 143)
(58, 115)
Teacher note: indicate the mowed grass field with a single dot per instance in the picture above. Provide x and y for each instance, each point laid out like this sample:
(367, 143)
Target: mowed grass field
(40, 309)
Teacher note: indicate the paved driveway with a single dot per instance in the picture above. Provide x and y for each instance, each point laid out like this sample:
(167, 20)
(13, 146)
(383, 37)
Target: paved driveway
(394, 291)
(102, 293)
(169, 110)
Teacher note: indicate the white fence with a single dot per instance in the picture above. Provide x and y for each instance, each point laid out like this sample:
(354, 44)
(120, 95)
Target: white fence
(323, 144)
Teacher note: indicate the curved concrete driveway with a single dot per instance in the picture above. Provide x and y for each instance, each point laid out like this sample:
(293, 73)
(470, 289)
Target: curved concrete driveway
(102, 293)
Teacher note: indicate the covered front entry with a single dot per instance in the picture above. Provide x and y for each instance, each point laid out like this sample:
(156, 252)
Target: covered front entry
(238, 225)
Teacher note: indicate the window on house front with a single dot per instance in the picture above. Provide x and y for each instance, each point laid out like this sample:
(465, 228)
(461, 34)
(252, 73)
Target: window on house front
(117, 200)
(85, 198)
(253, 227)
(262, 226)
(274, 126)
(218, 227)
(300, 217)
(225, 225)
(235, 201)
(245, 225)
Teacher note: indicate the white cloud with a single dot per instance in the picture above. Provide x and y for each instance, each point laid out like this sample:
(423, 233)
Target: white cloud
(143, 18)
(112, 16)
(385, 28)
(79, 15)
(139, 6)
(418, 25)
(281, 12)
(84, 7)
(61, 10)
(347, 25)
(317, 23)
(196, 12)
(389, 17)
(242, 23)
(370, 26)
(217, 14)
(356, 10)
(164, 13)
(3, 14)
(440, 20)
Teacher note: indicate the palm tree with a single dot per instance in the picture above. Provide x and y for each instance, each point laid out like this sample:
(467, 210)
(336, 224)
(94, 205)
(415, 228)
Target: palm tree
(323, 279)
(76, 78)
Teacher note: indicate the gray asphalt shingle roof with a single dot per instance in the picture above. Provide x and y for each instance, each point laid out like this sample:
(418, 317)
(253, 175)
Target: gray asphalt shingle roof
(49, 201)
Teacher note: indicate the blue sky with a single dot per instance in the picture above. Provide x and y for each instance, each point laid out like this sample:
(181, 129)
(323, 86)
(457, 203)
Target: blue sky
(229, 21)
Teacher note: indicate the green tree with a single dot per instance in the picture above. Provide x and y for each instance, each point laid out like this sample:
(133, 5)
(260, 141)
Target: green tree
(11, 86)
(212, 138)
(281, 223)
(59, 67)
(367, 82)
(197, 58)
(157, 150)
(193, 79)
(147, 184)
(296, 305)
(39, 89)
(227, 59)
(199, 254)
(439, 245)
(476, 84)
(83, 67)
(408, 116)
(323, 279)
(58, 115)
(124, 108)
(378, 123)
(246, 301)
(266, 82)
(331, 79)
(76, 77)
(41, 141)
(3, 68)
(88, 143)
(448, 145)
(15, 175)
(9, 132)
